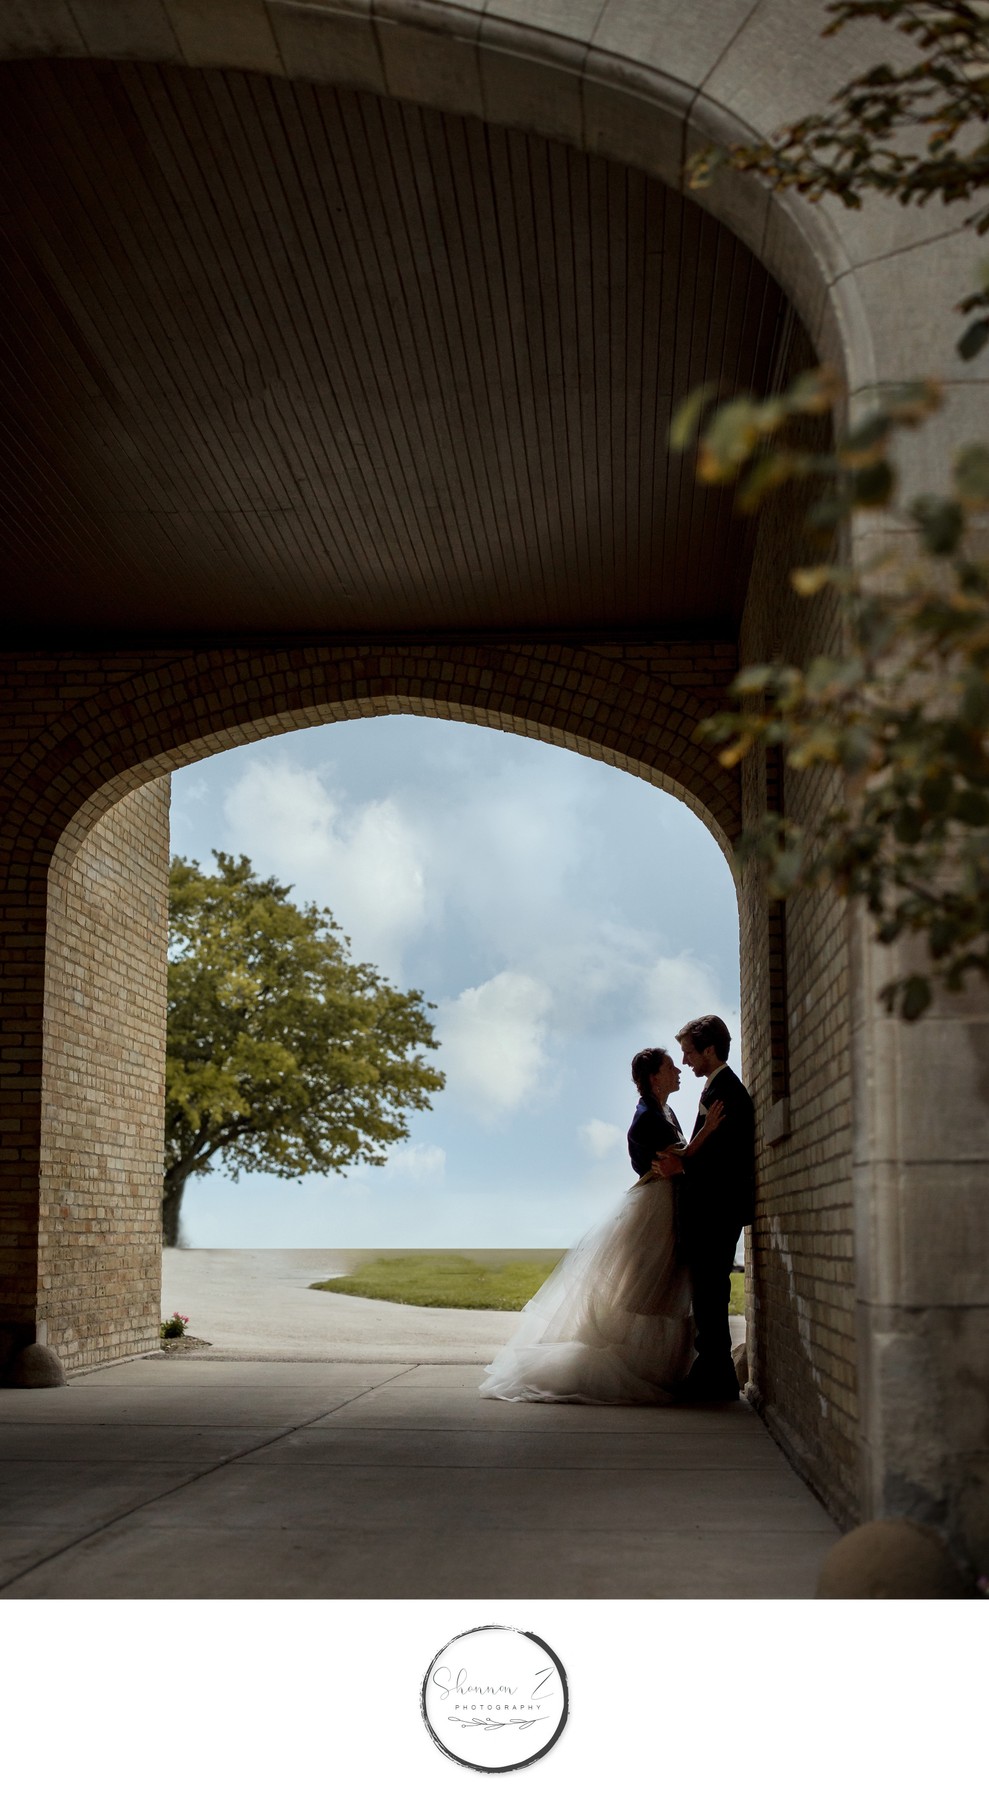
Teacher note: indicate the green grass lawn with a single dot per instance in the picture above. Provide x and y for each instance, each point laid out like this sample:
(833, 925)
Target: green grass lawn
(455, 1281)
(446, 1281)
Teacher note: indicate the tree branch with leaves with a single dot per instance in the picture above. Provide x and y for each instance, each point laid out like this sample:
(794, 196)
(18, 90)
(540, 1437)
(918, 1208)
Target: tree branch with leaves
(911, 132)
(902, 711)
(284, 1054)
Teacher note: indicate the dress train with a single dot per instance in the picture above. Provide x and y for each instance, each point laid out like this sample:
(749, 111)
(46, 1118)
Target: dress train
(612, 1322)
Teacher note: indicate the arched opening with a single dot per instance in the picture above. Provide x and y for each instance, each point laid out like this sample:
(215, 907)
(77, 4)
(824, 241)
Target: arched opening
(242, 695)
(105, 979)
(557, 913)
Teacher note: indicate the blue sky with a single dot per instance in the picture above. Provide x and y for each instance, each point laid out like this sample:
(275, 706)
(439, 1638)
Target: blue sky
(559, 913)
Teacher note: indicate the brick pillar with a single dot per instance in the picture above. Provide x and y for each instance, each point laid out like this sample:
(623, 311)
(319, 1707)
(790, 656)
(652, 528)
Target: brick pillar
(22, 975)
(102, 1133)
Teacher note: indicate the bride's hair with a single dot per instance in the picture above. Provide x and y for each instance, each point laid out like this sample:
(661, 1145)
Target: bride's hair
(644, 1064)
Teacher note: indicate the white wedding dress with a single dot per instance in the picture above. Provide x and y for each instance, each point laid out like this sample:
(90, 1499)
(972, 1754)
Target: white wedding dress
(612, 1321)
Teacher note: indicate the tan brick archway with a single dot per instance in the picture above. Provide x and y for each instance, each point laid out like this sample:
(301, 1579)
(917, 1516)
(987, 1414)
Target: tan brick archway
(88, 794)
(638, 708)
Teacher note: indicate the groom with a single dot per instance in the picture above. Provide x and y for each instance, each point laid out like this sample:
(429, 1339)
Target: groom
(715, 1201)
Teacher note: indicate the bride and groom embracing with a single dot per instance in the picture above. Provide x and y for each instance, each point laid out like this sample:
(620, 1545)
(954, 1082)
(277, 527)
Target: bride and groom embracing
(637, 1311)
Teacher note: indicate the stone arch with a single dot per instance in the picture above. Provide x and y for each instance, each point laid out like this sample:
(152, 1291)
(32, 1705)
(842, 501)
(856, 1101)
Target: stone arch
(637, 709)
(102, 851)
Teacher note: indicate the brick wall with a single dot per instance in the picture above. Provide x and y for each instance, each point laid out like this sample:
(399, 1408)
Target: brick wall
(99, 1241)
(802, 1276)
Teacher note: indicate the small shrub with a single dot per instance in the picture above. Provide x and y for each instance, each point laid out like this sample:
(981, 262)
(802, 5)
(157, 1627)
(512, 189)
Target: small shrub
(174, 1327)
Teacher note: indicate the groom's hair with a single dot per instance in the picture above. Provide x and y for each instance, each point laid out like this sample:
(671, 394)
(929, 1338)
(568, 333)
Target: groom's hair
(644, 1064)
(706, 1031)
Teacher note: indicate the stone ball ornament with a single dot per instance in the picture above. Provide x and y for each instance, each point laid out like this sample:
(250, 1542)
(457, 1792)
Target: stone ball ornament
(890, 1560)
(36, 1368)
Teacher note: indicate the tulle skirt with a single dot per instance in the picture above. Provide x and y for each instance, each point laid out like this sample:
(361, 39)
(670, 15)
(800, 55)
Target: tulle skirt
(612, 1321)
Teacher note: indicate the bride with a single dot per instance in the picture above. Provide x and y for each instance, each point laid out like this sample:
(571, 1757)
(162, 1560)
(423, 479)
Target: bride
(612, 1321)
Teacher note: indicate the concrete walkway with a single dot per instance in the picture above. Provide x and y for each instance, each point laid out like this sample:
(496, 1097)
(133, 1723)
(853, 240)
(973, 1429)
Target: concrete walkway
(192, 1478)
(332, 1447)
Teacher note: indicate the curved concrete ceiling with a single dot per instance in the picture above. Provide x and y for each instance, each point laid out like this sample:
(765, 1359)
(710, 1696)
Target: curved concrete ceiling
(282, 357)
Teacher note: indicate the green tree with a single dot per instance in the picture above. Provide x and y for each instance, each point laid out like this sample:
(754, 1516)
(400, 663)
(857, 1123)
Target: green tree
(902, 713)
(284, 1054)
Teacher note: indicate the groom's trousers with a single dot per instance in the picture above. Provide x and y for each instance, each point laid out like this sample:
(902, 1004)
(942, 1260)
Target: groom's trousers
(709, 1257)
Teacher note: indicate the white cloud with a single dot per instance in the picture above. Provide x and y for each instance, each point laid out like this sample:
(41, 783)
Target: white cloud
(448, 855)
(677, 988)
(189, 794)
(599, 1138)
(364, 864)
(493, 1043)
(421, 1163)
(506, 848)
(607, 979)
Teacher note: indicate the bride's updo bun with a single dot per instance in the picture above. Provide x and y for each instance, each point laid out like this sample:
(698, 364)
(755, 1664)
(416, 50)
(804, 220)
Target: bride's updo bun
(647, 1061)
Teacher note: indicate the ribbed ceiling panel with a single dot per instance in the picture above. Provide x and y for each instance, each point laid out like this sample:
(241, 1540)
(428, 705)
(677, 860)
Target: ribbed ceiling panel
(279, 356)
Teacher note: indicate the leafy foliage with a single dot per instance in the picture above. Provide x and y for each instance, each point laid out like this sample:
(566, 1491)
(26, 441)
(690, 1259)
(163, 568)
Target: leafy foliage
(903, 711)
(284, 1055)
(911, 130)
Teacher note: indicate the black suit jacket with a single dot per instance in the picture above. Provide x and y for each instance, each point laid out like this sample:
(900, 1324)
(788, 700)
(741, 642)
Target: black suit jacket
(649, 1134)
(719, 1187)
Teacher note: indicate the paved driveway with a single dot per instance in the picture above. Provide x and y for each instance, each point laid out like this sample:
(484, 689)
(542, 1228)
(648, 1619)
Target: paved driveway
(260, 1303)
